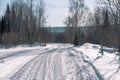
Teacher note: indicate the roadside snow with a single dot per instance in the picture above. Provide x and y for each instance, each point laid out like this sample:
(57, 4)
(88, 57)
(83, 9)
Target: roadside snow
(11, 65)
(108, 64)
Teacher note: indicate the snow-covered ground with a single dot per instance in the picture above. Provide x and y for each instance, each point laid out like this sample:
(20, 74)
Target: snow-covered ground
(59, 62)
(108, 65)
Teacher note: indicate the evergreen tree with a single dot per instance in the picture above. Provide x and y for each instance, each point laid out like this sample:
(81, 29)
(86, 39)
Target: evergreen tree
(7, 19)
(3, 25)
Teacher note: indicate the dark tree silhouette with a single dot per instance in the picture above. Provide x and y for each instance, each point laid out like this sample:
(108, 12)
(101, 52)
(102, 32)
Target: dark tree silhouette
(3, 25)
(76, 40)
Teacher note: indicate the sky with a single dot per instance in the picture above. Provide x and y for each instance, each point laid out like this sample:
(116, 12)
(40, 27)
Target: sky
(56, 10)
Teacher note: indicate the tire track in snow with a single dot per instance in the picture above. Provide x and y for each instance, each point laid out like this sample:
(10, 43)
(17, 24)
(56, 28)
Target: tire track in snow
(58, 64)
(86, 60)
(53, 66)
(75, 68)
(28, 67)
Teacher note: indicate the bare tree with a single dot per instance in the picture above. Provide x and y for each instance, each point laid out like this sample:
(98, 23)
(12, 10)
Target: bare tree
(24, 18)
(77, 12)
(114, 7)
(102, 23)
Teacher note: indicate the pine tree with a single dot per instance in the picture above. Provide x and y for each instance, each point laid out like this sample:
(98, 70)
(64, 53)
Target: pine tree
(7, 19)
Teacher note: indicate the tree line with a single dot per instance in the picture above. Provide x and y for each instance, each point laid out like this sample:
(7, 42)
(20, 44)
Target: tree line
(24, 22)
(105, 21)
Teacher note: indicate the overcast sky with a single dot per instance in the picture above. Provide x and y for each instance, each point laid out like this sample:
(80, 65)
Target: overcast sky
(55, 9)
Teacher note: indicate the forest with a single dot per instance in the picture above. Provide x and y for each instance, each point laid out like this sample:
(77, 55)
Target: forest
(24, 22)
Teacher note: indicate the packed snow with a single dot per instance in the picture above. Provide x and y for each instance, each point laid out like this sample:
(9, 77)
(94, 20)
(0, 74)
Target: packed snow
(59, 62)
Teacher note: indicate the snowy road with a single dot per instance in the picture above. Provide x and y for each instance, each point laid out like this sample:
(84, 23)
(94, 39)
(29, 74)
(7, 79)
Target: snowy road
(58, 63)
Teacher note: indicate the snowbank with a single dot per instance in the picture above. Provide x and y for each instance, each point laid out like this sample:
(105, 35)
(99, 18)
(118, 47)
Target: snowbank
(108, 64)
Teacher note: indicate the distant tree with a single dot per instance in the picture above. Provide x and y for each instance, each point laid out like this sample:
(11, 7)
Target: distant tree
(99, 26)
(3, 25)
(41, 17)
(33, 18)
(114, 6)
(13, 19)
(0, 25)
(77, 12)
(0, 8)
(76, 40)
(69, 34)
(103, 24)
(7, 18)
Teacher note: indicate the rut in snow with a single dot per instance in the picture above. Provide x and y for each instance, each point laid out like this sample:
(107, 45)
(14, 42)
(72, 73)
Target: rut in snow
(58, 64)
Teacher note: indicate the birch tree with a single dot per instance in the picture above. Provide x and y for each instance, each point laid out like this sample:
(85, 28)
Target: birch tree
(77, 12)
